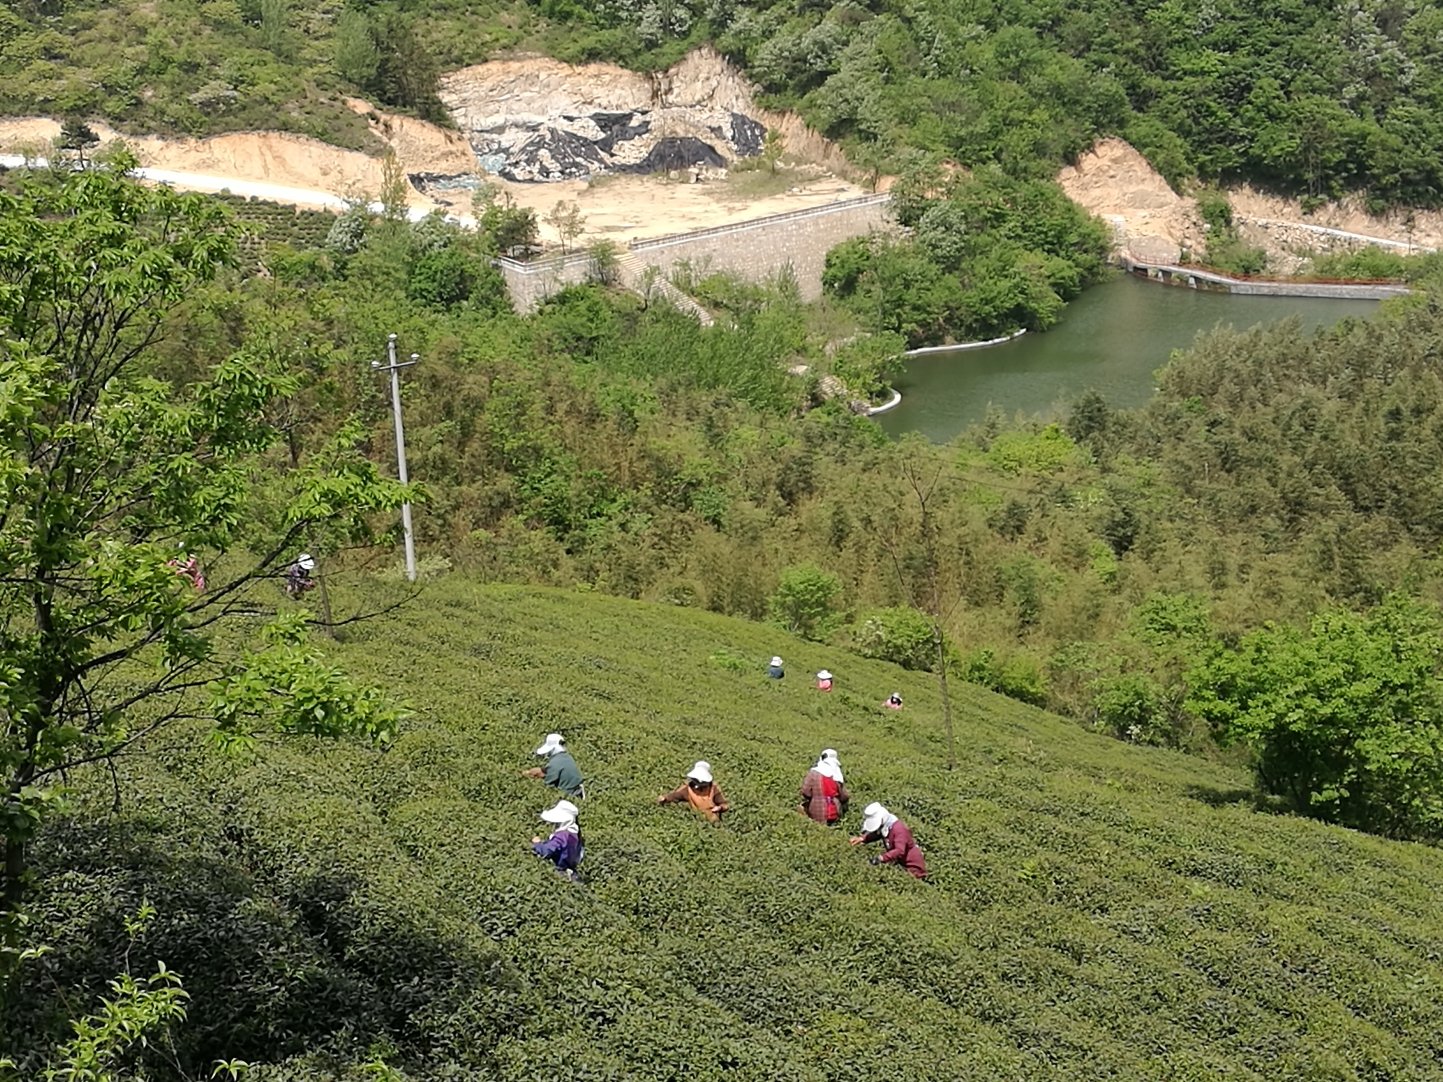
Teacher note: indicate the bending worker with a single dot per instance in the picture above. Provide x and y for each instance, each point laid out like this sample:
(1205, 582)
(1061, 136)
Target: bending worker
(879, 823)
(564, 848)
(560, 770)
(701, 792)
(824, 796)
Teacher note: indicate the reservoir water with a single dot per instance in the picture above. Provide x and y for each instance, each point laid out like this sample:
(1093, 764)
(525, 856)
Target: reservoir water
(1111, 339)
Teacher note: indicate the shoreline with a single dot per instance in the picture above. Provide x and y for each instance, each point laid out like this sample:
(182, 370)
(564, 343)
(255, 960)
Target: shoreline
(960, 347)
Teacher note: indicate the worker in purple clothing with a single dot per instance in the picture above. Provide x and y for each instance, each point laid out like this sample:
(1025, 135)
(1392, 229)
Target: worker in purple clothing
(879, 823)
(564, 848)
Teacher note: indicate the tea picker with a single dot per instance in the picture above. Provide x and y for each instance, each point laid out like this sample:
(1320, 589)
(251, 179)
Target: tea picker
(561, 771)
(298, 575)
(700, 791)
(878, 824)
(564, 848)
(824, 796)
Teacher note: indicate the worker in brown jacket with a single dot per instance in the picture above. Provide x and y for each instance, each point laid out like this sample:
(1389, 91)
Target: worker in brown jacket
(701, 792)
(824, 796)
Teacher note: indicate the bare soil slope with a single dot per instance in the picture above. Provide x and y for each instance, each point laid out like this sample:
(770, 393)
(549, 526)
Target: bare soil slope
(1116, 183)
(1154, 223)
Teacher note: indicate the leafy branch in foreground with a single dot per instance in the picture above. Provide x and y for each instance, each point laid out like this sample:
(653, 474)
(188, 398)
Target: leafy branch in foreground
(117, 488)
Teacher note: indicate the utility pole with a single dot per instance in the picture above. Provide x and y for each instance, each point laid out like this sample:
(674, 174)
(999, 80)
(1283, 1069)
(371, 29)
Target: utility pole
(395, 368)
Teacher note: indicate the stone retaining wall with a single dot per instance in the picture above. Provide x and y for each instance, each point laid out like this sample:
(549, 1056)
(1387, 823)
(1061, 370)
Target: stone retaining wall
(757, 249)
(1302, 237)
(753, 250)
(531, 283)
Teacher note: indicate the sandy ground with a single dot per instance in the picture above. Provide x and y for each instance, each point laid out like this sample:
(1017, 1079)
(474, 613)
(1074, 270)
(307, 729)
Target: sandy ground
(1112, 181)
(625, 208)
(274, 158)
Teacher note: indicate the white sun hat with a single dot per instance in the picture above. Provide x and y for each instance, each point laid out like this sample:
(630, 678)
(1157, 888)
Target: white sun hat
(564, 812)
(306, 562)
(777, 662)
(829, 766)
(873, 815)
(700, 772)
(554, 742)
(824, 675)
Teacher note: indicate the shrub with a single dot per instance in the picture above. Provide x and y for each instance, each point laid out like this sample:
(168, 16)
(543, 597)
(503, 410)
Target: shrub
(1215, 209)
(900, 635)
(1016, 676)
(805, 601)
(1131, 707)
(1345, 719)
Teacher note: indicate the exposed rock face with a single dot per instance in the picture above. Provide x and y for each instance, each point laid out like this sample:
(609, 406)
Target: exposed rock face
(540, 120)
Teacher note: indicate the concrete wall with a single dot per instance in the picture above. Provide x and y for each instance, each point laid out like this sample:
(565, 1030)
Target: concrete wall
(531, 283)
(757, 249)
(754, 250)
(1194, 278)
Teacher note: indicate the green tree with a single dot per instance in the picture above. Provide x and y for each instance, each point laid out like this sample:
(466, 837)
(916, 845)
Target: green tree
(117, 487)
(805, 601)
(914, 543)
(901, 635)
(566, 218)
(406, 74)
(357, 58)
(1345, 719)
(441, 278)
(76, 137)
(773, 147)
(275, 20)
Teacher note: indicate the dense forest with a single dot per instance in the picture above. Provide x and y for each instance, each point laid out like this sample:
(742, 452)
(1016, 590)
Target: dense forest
(1313, 98)
(1246, 570)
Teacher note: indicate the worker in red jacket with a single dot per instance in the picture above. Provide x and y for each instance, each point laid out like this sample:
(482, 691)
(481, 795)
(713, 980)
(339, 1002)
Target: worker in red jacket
(901, 848)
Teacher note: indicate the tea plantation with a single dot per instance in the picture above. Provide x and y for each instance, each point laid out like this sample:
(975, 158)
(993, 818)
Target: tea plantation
(1096, 910)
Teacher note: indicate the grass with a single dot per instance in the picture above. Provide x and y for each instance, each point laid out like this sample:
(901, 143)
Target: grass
(1097, 910)
(752, 180)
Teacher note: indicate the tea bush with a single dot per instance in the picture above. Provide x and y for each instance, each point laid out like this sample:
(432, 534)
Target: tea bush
(1096, 910)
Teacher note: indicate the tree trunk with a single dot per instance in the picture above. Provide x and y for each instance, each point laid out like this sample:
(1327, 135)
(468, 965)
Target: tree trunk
(325, 597)
(941, 643)
(12, 889)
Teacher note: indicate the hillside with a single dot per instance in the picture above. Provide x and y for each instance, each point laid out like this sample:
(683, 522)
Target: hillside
(1317, 99)
(1097, 910)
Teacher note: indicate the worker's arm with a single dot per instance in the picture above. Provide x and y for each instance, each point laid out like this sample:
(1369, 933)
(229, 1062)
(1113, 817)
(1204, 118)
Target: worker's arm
(718, 802)
(676, 796)
(897, 842)
(534, 772)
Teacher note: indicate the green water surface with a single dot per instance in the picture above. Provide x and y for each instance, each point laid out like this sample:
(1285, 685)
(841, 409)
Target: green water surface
(1112, 339)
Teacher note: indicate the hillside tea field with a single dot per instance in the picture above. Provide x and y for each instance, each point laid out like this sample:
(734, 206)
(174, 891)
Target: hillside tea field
(1095, 910)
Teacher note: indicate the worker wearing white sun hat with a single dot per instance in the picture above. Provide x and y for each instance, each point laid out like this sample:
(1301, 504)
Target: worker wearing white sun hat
(878, 824)
(700, 791)
(564, 848)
